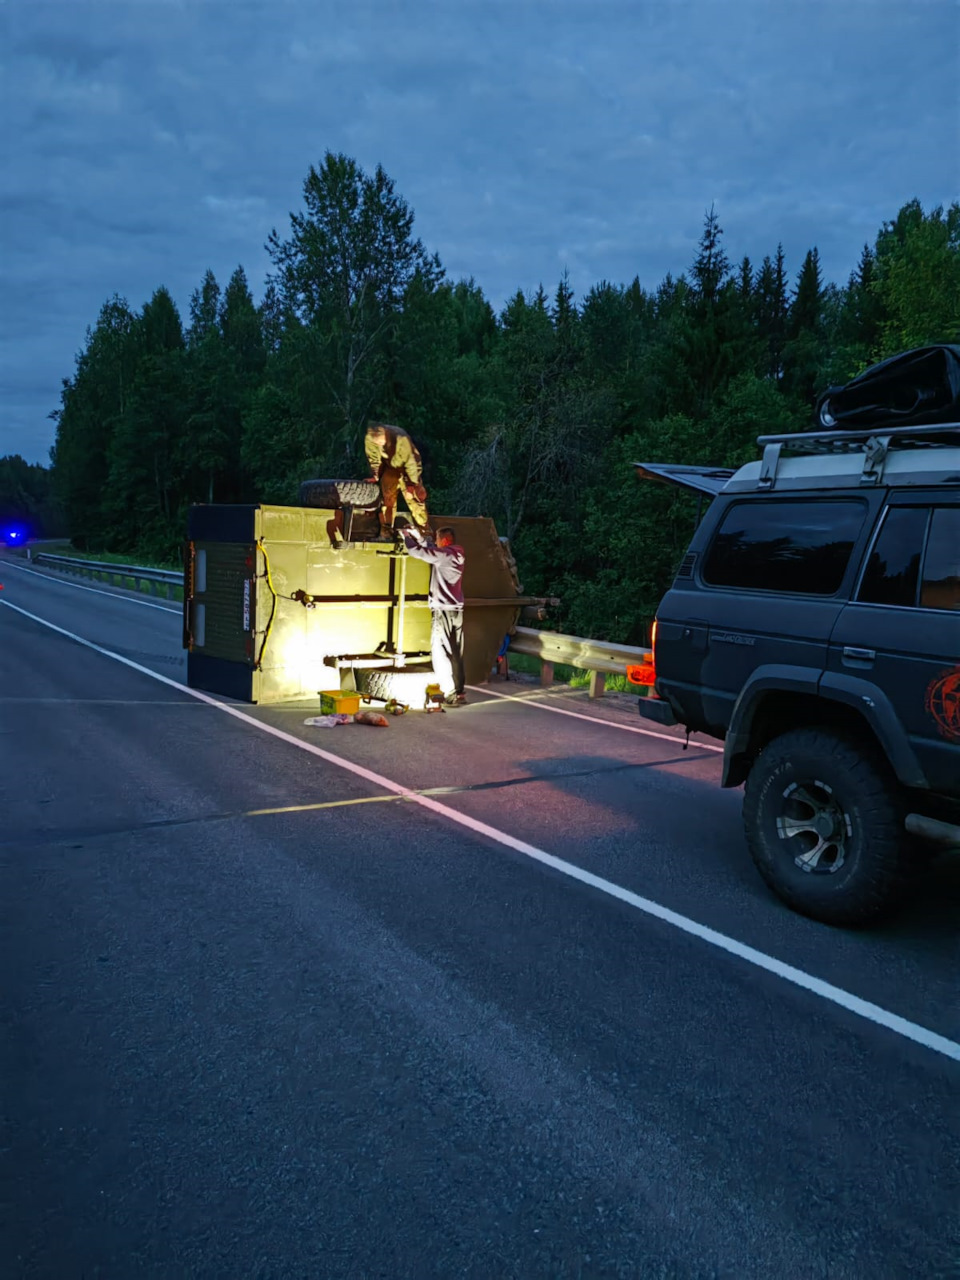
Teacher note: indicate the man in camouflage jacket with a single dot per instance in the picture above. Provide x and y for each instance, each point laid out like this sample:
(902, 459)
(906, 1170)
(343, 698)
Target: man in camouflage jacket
(395, 463)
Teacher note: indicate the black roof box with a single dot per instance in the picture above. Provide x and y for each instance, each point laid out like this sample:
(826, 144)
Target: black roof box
(915, 388)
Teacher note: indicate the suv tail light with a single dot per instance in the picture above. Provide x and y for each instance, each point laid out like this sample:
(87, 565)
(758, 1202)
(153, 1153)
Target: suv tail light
(645, 673)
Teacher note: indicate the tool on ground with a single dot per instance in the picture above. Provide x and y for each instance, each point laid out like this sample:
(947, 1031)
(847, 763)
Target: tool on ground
(433, 700)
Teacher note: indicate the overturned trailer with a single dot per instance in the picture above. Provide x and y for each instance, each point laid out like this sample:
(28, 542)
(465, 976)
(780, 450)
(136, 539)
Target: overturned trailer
(280, 602)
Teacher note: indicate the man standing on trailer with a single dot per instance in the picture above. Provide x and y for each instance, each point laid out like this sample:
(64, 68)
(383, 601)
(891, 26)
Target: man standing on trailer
(446, 559)
(394, 463)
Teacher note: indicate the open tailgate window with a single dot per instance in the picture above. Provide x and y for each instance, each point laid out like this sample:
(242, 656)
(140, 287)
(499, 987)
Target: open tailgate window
(699, 480)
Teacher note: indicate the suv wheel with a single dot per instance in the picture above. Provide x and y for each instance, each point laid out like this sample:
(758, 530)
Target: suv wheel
(824, 826)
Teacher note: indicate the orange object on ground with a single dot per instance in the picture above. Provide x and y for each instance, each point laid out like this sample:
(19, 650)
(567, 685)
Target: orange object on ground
(371, 717)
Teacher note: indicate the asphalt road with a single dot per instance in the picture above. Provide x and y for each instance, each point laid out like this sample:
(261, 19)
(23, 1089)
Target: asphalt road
(374, 1040)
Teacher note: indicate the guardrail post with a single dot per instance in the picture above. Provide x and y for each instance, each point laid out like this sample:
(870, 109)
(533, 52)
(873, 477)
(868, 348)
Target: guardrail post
(546, 672)
(598, 682)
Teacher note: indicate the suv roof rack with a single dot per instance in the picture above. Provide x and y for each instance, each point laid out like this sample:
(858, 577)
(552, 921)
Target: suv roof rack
(856, 441)
(872, 442)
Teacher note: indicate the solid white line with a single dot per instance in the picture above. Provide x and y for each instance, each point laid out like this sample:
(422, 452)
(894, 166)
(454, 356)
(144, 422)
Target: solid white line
(835, 995)
(48, 577)
(530, 700)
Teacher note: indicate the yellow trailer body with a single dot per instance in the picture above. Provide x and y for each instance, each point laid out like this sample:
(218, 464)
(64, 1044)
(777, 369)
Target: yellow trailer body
(275, 609)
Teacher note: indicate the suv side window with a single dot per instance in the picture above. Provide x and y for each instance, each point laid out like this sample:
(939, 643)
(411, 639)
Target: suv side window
(892, 575)
(801, 547)
(893, 569)
(941, 567)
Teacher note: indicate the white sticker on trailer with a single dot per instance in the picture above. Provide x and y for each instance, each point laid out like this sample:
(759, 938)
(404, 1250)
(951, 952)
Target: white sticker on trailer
(246, 604)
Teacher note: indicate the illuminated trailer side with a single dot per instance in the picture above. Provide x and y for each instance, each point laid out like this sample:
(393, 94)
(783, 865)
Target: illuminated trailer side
(275, 609)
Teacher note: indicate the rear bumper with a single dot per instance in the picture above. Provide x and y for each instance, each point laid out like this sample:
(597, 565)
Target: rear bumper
(657, 710)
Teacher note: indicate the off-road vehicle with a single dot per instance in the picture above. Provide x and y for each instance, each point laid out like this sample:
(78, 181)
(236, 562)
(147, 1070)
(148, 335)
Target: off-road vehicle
(814, 627)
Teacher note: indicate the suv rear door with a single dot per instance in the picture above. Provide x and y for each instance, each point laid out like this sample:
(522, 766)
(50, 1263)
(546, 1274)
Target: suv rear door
(901, 631)
(770, 577)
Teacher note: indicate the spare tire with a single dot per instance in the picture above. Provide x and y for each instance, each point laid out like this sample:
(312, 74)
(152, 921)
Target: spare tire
(406, 684)
(333, 494)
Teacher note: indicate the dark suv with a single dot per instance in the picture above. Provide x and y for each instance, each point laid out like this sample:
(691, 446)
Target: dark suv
(814, 626)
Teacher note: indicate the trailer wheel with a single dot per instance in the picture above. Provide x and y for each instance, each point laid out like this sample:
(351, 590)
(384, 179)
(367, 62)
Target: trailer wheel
(333, 494)
(406, 684)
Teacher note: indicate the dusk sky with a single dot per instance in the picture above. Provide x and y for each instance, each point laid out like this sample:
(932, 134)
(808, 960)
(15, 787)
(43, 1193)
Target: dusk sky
(147, 140)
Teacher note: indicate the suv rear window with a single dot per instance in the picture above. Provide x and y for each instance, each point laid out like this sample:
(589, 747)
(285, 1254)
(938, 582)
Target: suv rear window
(800, 547)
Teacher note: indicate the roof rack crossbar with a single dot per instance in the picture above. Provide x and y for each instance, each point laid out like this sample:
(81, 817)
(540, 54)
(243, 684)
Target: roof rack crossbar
(859, 441)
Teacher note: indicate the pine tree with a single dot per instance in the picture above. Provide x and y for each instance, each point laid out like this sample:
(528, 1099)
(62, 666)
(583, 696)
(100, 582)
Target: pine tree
(745, 280)
(204, 306)
(564, 312)
(710, 268)
(770, 292)
(804, 354)
(93, 404)
(706, 344)
(147, 454)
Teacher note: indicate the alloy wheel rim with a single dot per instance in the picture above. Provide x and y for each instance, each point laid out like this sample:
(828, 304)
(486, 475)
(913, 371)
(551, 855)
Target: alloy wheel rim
(814, 826)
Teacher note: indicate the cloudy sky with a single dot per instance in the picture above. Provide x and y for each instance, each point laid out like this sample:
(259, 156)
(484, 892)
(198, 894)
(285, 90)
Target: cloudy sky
(147, 140)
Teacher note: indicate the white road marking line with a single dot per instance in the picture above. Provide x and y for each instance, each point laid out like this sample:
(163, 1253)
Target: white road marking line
(96, 590)
(759, 959)
(530, 700)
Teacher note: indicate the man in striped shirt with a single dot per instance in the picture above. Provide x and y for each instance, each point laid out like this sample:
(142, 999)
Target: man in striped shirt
(446, 605)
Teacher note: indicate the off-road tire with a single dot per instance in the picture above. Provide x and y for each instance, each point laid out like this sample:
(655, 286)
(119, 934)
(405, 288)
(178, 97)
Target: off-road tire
(407, 684)
(875, 865)
(333, 494)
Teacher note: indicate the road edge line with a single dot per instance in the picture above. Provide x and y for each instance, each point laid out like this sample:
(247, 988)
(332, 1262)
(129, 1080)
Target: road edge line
(578, 715)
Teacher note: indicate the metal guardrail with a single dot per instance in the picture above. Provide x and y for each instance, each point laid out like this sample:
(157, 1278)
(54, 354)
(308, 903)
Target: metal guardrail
(596, 656)
(101, 569)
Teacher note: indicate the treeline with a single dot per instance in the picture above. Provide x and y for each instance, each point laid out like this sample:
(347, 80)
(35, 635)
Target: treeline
(532, 416)
(27, 499)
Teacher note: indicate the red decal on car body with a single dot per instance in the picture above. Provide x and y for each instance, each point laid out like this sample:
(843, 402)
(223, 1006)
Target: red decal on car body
(942, 701)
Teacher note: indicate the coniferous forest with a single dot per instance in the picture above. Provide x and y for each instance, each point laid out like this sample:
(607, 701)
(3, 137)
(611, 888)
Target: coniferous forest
(532, 416)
